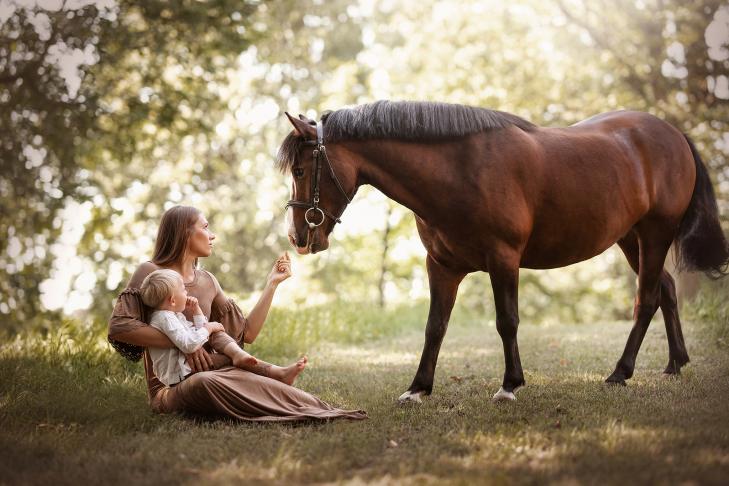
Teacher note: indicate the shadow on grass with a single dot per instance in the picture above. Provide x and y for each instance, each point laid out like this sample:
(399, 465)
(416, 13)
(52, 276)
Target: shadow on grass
(43, 393)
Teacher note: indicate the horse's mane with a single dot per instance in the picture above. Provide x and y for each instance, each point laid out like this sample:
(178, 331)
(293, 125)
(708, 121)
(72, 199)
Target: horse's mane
(403, 120)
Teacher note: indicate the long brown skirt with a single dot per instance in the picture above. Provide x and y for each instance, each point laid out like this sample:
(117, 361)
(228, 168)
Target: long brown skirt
(246, 396)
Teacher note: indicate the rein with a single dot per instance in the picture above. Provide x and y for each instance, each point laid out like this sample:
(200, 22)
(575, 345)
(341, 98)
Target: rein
(320, 158)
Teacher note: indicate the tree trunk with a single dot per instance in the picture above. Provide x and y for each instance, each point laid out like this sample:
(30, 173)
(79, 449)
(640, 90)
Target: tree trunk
(383, 260)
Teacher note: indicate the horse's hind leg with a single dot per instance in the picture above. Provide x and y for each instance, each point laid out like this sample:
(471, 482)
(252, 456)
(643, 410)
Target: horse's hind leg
(677, 355)
(652, 250)
(505, 283)
(443, 289)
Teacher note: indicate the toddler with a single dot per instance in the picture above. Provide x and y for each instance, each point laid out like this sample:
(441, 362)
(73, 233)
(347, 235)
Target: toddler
(164, 291)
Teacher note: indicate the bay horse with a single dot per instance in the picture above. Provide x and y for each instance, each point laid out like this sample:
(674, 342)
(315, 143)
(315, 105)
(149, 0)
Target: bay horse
(493, 192)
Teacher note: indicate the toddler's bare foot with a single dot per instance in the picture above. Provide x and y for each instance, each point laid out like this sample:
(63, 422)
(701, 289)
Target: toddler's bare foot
(288, 374)
(243, 360)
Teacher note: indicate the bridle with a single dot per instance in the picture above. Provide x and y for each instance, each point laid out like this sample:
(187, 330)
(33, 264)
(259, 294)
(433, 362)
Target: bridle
(320, 157)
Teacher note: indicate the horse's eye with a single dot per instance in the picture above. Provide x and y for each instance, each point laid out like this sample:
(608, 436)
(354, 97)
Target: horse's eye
(298, 172)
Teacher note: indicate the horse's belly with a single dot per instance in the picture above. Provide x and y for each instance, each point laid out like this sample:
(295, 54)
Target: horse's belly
(556, 258)
(568, 246)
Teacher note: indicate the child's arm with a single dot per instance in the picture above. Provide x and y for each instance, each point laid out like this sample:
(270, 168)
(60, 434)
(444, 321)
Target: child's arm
(185, 339)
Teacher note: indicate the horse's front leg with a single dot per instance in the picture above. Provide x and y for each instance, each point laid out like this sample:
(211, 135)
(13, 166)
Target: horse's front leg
(443, 289)
(505, 283)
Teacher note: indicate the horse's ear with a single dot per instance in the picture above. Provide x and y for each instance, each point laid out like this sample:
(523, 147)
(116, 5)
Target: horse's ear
(304, 119)
(302, 128)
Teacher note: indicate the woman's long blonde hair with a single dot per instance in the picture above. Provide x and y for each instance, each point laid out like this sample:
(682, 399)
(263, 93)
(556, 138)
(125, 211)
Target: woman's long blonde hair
(173, 235)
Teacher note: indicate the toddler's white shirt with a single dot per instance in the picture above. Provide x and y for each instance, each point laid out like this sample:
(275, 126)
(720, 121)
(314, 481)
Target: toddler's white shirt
(169, 364)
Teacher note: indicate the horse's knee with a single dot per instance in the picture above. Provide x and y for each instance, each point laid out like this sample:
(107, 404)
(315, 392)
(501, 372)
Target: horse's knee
(507, 325)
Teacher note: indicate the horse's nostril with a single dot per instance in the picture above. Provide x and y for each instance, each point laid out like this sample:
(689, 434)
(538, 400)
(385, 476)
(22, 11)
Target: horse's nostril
(297, 241)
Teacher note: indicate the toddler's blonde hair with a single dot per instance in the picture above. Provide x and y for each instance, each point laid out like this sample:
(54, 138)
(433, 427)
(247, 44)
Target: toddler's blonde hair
(159, 285)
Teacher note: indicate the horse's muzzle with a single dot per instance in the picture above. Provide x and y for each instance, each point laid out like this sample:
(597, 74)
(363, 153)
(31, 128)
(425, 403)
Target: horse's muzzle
(312, 242)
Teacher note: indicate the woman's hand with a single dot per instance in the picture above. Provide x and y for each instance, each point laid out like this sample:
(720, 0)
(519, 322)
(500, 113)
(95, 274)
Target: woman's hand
(199, 360)
(281, 269)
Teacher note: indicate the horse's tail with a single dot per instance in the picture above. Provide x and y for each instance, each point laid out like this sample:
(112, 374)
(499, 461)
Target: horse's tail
(700, 243)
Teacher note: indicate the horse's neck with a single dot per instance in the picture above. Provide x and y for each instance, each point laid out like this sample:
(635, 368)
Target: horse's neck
(409, 174)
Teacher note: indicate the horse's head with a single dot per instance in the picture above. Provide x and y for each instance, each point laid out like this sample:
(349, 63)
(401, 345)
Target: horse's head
(322, 185)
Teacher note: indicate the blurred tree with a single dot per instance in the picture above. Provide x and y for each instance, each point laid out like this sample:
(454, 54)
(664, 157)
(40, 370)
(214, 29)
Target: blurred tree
(129, 107)
(155, 116)
(44, 116)
(89, 91)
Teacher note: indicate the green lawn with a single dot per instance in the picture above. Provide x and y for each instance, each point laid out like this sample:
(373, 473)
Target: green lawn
(84, 419)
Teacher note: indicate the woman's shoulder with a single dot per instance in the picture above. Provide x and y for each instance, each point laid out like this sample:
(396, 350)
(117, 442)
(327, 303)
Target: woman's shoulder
(141, 273)
(211, 278)
(148, 267)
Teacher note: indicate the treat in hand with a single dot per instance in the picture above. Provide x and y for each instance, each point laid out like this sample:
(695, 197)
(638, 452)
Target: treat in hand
(282, 262)
(281, 269)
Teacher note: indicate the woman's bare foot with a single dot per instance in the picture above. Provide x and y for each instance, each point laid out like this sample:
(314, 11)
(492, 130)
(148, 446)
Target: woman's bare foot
(288, 374)
(243, 360)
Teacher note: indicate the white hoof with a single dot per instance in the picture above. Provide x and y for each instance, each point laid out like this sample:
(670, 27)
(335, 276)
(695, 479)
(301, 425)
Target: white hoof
(409, 397)
(504, 396)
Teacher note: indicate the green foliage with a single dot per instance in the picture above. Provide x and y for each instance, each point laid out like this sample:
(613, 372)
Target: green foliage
(41, 125)
(90, 135)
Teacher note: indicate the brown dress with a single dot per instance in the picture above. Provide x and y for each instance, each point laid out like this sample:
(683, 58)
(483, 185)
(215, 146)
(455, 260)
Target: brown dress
(227, 391)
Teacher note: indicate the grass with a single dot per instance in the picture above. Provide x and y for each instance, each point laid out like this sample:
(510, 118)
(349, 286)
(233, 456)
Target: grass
(69, 416)
(291, 333)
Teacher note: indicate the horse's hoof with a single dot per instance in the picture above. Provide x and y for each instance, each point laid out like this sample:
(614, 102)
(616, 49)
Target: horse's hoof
(614, 380)
(504, 396)
(410, 397)
(673, 370)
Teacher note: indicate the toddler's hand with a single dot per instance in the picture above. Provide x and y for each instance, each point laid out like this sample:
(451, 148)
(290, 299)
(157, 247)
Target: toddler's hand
(191, 302)
(193, 305)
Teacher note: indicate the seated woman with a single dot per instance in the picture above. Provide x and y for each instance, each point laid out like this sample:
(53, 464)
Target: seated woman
(215, 388)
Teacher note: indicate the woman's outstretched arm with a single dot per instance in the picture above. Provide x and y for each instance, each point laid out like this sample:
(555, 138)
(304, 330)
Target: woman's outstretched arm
(257, 316)
(281, 271)
(245, 329)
